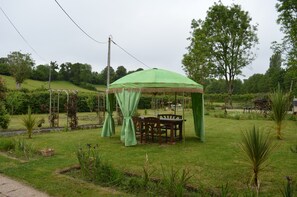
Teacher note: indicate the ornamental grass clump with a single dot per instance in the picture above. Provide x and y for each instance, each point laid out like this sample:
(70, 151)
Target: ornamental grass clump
(256, 148)
(279, 108)
(29, 122)
(174, 183)
(288, 188)
(95, 169)
(23, 149)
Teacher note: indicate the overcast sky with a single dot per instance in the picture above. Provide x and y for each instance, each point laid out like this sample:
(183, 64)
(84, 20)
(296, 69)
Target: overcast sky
(154, 31)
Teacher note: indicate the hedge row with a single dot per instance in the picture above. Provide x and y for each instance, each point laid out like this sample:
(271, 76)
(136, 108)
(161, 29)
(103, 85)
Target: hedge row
(17, 102)
(240, 98)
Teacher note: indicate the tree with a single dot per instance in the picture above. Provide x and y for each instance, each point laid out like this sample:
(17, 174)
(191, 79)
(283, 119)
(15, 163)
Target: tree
(221, 45)
(196, 62)
(20, 66)
(41, 73)
(53, 68)
(290, 79)
(104, 75)
(64, 72)
(132, 71)
(255, 84)
(74, 75)
(85, 74)
(120, 72)
(275, 73)
(215, 86)
(288, 19)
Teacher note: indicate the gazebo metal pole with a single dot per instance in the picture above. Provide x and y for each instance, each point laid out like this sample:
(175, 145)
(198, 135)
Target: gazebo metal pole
(58, 111)
(184, 122)
(50, 105)
(175, 103)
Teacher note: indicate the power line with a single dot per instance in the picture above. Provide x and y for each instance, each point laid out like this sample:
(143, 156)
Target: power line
(78, 25)
(21, 35)
(129, 54)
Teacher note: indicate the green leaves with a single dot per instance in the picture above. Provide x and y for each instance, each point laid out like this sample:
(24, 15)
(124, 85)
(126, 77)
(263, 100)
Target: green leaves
(279, 108)
(29, 122)
(221, 45)
(20, 66)
(288, 19)
(256, 148)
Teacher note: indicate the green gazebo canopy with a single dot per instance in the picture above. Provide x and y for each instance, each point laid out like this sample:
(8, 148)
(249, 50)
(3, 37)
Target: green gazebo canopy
(128, 91)
(156, 80)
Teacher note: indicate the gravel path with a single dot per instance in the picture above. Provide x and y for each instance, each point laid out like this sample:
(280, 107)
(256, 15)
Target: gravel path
(12, 188)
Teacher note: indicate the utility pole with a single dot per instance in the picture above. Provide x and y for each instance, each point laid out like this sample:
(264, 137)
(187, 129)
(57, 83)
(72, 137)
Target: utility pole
(49, 76)
(108, 63)
(49, 88)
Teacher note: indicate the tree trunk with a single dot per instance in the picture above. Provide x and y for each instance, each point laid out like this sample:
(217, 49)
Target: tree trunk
(278, 132)
(230, 92)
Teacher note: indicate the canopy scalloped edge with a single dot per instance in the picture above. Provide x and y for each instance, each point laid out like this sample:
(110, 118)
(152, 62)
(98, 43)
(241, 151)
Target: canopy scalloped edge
(191, 90)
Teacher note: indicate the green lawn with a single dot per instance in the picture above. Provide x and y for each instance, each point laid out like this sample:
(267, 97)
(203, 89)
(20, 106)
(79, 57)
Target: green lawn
(83, 118)
(212, 164)
(33, 84)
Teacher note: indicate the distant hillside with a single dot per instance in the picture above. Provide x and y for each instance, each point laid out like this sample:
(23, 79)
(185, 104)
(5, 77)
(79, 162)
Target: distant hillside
(33, 84)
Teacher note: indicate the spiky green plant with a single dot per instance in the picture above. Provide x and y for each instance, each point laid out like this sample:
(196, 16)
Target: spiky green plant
(29, 121)
(279, 108)
(256, 148)
(288, 189)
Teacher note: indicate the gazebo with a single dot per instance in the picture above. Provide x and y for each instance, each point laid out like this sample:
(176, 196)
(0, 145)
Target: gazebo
(127, 90)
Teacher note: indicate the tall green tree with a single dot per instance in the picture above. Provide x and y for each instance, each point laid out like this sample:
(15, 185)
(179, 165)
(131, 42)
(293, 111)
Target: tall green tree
(275, 73)
(41, 73)
(64, 72)
(221, 45)
(120, 72)
(287, 17)
(20, 66)
(85, 74)
(104, 75)
(256, 83)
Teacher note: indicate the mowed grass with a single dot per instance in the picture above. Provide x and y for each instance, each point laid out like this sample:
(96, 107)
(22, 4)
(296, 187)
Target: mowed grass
(83, 118)
(214, 163)
(34, 84)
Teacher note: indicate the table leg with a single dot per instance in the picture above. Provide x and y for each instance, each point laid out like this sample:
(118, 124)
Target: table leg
(171, 133)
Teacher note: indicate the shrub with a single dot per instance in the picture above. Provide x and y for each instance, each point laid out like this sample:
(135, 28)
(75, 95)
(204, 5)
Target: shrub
(23, 149)
(95, 169)
(288, 188)
(174, 182)
(29, 122)
(279, 108)
(256, 149)
(87, 86)
(4, 117)
(7, 144)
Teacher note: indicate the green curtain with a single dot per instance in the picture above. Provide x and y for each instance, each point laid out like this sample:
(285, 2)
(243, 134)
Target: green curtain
(128, 102)
(198, 114)
(108, 126)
